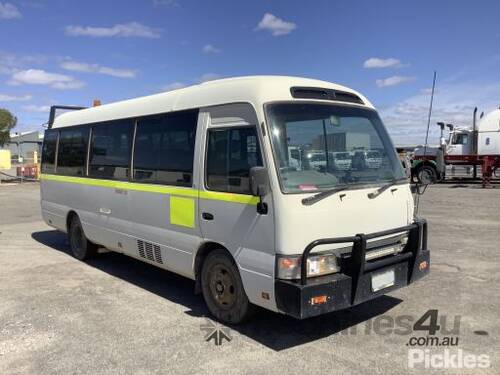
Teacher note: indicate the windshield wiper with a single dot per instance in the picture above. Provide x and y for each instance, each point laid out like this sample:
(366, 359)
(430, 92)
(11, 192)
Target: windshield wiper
(383, 188)
(324, 194)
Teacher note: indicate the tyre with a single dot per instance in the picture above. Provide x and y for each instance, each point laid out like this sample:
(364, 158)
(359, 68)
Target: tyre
(222, 289)
(81, 247)
(426, 175)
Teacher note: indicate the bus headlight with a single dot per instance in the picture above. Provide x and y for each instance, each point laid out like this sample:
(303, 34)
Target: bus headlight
(288, 267)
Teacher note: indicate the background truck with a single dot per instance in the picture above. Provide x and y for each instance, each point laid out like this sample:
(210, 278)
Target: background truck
(476, 146)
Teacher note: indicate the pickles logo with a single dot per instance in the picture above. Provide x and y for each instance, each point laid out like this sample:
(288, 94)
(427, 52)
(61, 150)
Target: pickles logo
(424, 358)
(216, 332)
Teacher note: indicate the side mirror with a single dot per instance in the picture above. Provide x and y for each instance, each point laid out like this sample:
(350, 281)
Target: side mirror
(259, 181)
(259, 186)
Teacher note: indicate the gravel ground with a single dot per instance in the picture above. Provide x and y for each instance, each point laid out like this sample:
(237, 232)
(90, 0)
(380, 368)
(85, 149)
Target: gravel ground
(118, 315)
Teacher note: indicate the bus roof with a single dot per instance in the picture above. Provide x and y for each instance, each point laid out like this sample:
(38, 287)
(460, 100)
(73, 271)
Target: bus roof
(251, 89)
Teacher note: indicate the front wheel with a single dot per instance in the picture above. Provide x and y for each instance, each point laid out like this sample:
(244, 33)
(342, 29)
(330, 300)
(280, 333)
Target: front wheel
(81, 247)
(223, 289)
(426, 175)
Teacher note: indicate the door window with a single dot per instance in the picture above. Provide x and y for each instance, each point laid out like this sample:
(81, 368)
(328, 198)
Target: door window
(460, 139)
(230, 155)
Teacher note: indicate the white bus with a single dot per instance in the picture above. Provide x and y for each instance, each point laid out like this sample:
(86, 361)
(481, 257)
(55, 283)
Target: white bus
(199, 181)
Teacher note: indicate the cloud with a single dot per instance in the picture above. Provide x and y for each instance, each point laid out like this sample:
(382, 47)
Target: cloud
(41, 77)
(393, 81)
(10, 62)
(14, 98)
(82, 67)
(174, 86)
(375, 62)
(407, 119)
(36, 108)
(208, 77)
(126, 30)
(166, 3)
(276, 26)
(9, 11)
(210, 49)
(427, 91)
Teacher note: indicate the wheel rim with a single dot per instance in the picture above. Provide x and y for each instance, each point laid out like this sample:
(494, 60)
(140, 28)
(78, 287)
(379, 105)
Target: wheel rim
(77, 239)
(425, 177)
(222, 286)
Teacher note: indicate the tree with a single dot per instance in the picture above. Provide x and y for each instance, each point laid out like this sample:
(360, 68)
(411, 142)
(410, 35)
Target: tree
(7, 122)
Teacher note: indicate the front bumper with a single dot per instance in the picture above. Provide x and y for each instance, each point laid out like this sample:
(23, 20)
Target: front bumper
(353, 284)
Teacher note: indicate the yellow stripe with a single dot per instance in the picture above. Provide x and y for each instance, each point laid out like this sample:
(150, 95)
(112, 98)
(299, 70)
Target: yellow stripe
(150, 188)
(229, 197)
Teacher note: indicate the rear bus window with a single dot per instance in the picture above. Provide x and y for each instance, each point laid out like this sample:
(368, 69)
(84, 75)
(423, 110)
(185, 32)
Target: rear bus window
(110, 150)
(164, 149)
(72, 152)
(230, 155)
(49, 151)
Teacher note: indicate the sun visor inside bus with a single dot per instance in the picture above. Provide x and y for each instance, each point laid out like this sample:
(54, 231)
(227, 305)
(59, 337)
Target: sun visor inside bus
(324, 94)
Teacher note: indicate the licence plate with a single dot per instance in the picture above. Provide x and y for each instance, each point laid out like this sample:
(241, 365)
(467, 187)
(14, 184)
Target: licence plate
(383, 280)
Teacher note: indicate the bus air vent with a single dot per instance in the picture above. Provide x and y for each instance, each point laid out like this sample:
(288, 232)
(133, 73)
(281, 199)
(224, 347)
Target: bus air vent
(324, 94)
(149, 251)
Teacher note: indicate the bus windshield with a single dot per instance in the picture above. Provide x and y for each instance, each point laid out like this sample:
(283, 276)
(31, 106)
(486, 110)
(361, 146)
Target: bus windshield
(323, 146)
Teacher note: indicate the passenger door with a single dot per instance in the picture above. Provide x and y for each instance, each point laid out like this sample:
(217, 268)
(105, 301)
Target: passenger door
(109, 163)
(228, 211)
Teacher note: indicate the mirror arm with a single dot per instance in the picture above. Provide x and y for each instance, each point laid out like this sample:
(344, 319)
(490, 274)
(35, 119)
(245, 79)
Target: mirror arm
(261, 206)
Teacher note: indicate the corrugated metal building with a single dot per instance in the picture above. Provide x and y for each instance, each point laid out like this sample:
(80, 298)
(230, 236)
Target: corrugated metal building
(23, 144)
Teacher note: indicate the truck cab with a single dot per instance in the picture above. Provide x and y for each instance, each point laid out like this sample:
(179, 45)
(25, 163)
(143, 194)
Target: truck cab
(459, 142)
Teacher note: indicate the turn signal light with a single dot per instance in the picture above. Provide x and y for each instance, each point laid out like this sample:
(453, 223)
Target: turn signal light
(318, 300)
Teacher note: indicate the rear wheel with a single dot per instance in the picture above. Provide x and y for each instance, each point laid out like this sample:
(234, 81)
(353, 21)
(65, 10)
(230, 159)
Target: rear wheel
(223, 289)
(80, 246)
(426, 175)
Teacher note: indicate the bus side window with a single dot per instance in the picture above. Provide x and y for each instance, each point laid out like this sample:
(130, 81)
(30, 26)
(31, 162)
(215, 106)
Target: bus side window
(49, 151)
(72, 151)
(164, 149)
(110, 150)
(230, 155)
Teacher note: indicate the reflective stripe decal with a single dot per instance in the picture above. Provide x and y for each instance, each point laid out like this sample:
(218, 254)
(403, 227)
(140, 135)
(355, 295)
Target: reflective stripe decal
(229, 197)
(182, 211)
(151, 188)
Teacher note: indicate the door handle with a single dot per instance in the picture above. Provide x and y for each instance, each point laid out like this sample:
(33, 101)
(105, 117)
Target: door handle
(104, 211)
(207, 216)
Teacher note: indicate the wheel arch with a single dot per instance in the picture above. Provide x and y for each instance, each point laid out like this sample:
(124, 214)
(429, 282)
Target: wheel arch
(201, 254)
(71, 214)
(423, 163)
